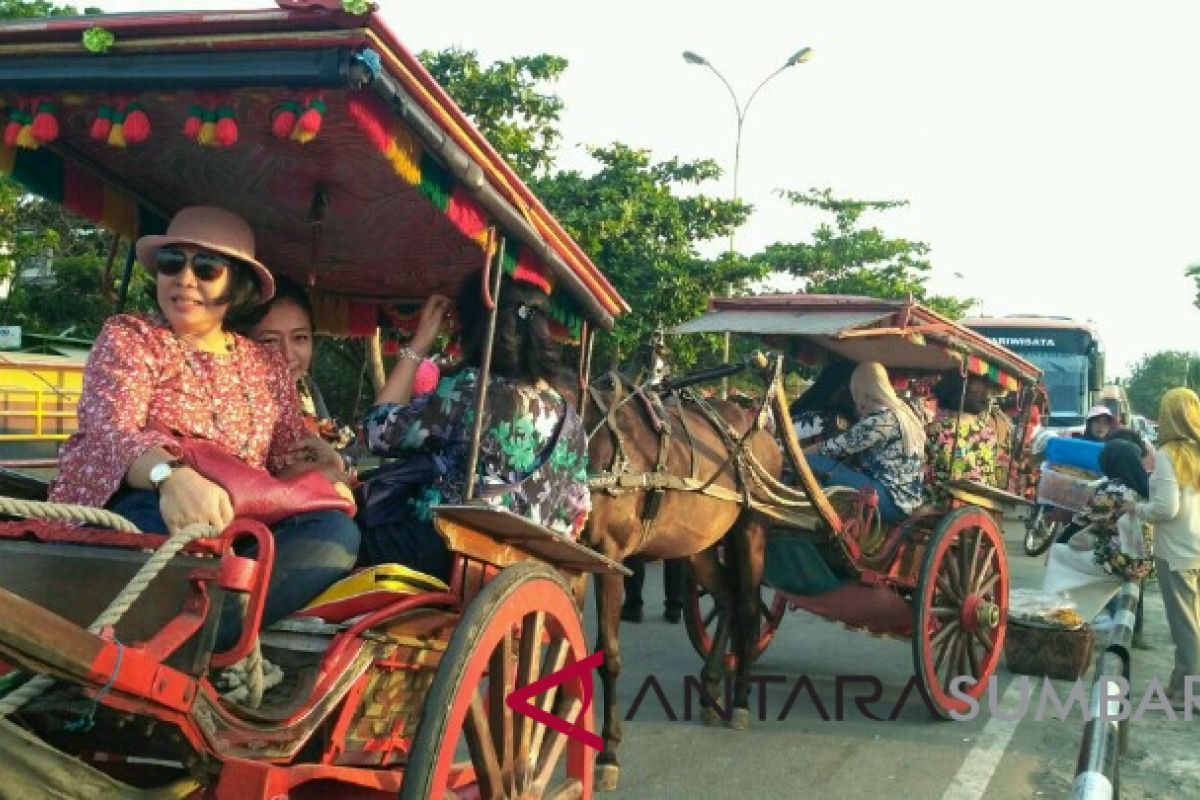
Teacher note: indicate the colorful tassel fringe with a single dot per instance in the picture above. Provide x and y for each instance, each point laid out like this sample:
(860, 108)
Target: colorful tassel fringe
(211, 124)
(31, 124)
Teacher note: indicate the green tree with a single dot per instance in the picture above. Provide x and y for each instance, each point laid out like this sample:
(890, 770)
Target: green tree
(507, 102)
(846, 257)
(641, 220)
(1193, 272)
(1156, 373)
(25, 9)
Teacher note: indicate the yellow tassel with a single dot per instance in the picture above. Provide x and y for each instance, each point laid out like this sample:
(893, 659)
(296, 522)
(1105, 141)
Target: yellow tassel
(303, 137)
(405, 155)
(116, 135)
(208, 133)
(25, 138)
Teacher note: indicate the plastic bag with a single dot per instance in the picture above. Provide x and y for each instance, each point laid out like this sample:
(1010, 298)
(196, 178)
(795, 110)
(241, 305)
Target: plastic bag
(1039, 607)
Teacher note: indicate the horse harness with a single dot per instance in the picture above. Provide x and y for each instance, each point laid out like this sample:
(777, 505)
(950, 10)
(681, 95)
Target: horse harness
(620, 477)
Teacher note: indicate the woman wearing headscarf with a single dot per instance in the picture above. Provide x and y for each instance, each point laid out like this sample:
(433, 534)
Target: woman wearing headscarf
(888, 440)
(1174, 509)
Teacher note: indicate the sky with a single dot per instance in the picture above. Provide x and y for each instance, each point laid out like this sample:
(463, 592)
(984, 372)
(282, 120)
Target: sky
(1048, 150)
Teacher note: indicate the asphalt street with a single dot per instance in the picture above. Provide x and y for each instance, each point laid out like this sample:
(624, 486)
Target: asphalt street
(792, 752)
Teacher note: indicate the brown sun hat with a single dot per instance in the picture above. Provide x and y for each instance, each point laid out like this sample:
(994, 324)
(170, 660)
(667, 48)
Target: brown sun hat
(214, 229)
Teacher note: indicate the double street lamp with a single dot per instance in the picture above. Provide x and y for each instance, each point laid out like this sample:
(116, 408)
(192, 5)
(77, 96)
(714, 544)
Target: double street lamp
(798, 57)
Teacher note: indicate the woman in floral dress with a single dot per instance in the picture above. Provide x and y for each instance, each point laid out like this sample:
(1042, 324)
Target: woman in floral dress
(533, 450)
(151, 380)
(961, 445)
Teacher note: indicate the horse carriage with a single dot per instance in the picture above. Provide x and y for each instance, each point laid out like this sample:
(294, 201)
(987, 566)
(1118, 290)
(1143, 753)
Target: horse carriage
(940, 576)
(364, 182)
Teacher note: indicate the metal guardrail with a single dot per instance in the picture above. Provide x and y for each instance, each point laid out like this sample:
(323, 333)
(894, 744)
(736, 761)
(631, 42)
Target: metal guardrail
(1097, 772)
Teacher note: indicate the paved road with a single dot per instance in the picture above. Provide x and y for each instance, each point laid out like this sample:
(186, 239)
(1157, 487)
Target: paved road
(802, 756)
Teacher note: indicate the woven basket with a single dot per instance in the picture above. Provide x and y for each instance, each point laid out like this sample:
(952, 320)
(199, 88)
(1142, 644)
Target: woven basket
(1054, 652)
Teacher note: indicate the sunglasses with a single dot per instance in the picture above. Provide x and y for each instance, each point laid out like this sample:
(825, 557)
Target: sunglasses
(206, 266)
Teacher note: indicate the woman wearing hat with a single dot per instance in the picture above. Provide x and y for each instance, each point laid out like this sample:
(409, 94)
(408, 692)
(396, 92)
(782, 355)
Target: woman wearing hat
(181, 373)
(1100, 422)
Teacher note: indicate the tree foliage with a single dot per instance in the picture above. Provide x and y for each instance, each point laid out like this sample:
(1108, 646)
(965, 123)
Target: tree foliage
(1158, 372)
(845, 257)
(25, 9)
(640, 221)
(507, 102)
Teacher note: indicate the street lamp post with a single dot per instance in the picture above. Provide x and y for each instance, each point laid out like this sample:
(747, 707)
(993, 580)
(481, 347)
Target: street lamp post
(799, 57)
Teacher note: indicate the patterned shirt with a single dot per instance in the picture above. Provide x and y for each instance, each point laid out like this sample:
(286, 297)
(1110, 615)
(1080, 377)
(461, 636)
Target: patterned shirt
(532, 455)
(877, 441)
(141, 378)
(971, 456)
(1124, 544)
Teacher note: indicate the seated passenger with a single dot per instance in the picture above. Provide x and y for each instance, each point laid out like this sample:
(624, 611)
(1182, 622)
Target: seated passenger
(533, 452)
(960, 445)
(826, 408)
(888, 440)
(285, 322)
(183, 372)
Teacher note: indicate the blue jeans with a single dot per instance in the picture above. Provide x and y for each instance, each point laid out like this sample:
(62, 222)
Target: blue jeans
(312, 551)
(831, 473)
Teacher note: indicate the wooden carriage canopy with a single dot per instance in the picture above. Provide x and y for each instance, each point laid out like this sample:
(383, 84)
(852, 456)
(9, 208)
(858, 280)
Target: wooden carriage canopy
(361, 178)
(901, 335)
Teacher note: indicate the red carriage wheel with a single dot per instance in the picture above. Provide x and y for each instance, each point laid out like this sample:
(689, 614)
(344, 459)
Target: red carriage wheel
(521, 627)
(700, 619)
(960, 609)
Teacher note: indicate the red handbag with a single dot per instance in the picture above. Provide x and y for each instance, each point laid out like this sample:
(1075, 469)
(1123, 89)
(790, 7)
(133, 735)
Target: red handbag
(256, 493)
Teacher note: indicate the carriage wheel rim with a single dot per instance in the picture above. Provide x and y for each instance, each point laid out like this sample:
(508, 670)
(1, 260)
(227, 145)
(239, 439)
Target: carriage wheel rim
(700, 623)
(539, 604)
(961, 607)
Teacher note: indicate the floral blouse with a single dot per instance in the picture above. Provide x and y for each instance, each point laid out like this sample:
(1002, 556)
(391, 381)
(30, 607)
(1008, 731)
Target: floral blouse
(973, 457)
(1124, 544)
(532, 456)
(877, 441)
(141, 380)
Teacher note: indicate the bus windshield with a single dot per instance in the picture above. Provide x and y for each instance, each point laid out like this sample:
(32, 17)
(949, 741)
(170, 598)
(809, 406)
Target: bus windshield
(1066, 383)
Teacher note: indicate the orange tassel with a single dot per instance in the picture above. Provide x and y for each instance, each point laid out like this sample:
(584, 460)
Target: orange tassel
(137, 123)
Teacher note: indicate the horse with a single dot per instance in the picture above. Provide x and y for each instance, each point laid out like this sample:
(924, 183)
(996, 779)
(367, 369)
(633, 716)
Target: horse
(669, 481)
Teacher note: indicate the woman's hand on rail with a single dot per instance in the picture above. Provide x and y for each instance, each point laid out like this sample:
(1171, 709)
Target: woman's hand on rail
(433, 318)
(187, 497)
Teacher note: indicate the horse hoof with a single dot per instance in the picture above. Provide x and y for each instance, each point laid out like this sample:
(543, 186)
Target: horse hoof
(607, 777)
(710, 717)
(739, 720)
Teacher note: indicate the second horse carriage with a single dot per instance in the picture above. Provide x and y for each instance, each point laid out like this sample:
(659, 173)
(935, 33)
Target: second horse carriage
(365, 183)
(938, 577)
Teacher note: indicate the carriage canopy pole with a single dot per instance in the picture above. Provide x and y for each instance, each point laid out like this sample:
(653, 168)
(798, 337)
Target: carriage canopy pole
(492, 273)
(126, 277)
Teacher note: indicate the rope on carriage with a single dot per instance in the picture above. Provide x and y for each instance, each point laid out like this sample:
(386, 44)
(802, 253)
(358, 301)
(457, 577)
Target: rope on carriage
(63, 512)
(155, 564)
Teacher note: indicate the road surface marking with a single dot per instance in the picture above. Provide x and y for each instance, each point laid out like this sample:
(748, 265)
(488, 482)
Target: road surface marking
(980, 764)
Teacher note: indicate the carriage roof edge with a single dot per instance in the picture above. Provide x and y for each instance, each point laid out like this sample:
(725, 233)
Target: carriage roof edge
(381, 89)
(862, 327)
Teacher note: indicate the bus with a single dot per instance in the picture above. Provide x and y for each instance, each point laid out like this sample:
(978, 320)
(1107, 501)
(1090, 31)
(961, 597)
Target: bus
(1069, 352)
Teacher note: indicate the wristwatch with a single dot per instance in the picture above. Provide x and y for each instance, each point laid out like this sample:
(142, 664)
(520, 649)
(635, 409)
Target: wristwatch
(163, 470)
